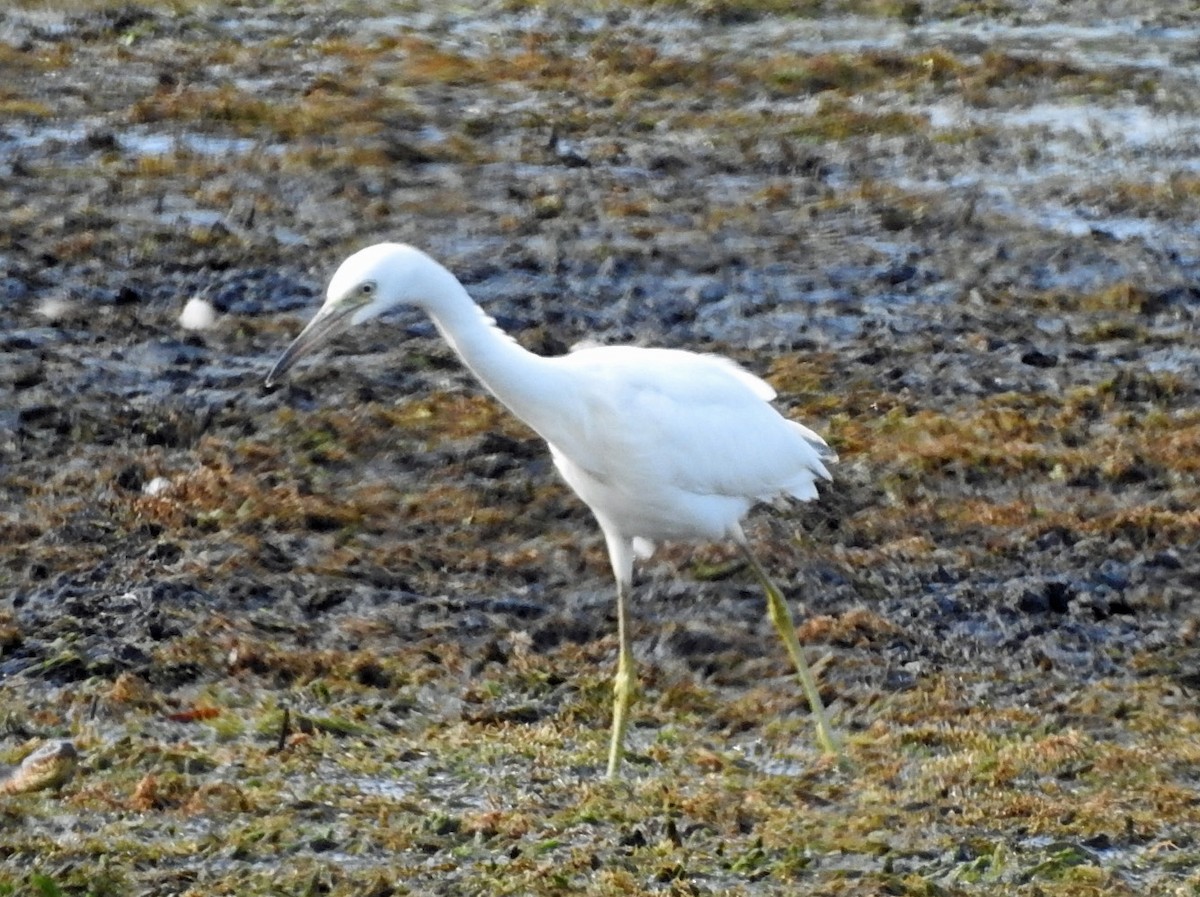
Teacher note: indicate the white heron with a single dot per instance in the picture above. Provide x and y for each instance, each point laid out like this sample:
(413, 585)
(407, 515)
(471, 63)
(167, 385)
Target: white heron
(660, 443)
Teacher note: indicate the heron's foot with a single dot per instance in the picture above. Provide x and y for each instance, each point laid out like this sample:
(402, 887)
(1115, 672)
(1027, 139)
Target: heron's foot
(781, 617)
(624, 690)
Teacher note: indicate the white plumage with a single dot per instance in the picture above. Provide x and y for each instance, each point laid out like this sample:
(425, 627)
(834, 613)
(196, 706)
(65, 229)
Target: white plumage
(666, 444)
(660, 443)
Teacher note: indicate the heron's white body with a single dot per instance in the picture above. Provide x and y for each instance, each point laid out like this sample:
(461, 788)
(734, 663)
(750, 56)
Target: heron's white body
(660, 443)
(667, 444)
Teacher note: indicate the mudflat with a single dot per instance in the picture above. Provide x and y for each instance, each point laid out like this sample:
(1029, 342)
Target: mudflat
(351, 635)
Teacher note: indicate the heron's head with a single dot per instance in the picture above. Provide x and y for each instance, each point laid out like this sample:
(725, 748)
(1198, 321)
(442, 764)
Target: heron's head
(365, 285)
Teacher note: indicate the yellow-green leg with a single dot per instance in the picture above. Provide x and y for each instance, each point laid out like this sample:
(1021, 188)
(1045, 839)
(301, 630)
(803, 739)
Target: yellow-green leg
(777, 610)
(624, 685)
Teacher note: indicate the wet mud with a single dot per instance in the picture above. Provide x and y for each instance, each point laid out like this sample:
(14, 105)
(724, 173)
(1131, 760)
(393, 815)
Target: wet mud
(959, 239)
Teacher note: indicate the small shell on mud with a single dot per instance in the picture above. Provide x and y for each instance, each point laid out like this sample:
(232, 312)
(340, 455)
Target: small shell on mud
(50, 766)
(156, 486)
(198, 314)
(55, 308)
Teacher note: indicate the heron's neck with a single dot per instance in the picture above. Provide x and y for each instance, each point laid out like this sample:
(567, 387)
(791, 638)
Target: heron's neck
(526, 383)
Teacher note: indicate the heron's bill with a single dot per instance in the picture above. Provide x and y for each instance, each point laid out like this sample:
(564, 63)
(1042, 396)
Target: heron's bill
(330, 320)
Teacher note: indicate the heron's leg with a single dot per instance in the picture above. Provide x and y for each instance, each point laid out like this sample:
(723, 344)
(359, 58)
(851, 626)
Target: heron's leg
(777, 610)
(624, 684)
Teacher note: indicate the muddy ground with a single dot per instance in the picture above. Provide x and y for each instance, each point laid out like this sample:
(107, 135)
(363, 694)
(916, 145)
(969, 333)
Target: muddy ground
(351, 635)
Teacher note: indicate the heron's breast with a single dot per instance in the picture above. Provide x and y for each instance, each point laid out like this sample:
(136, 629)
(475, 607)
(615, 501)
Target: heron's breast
(655, 510)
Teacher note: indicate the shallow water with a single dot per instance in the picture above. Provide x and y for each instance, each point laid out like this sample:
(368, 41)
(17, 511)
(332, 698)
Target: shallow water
(136, 142)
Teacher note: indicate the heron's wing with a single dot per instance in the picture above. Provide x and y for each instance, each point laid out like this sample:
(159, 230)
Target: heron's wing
(653, 418)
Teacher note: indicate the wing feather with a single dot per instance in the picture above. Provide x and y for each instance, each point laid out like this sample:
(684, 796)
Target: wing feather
(663, 418)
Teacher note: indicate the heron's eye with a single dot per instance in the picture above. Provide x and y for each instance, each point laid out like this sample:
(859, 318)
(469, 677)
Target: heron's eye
(367, 289)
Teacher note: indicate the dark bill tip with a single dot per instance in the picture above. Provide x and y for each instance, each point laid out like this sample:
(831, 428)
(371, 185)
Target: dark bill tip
(328, 321)
(284, 364)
